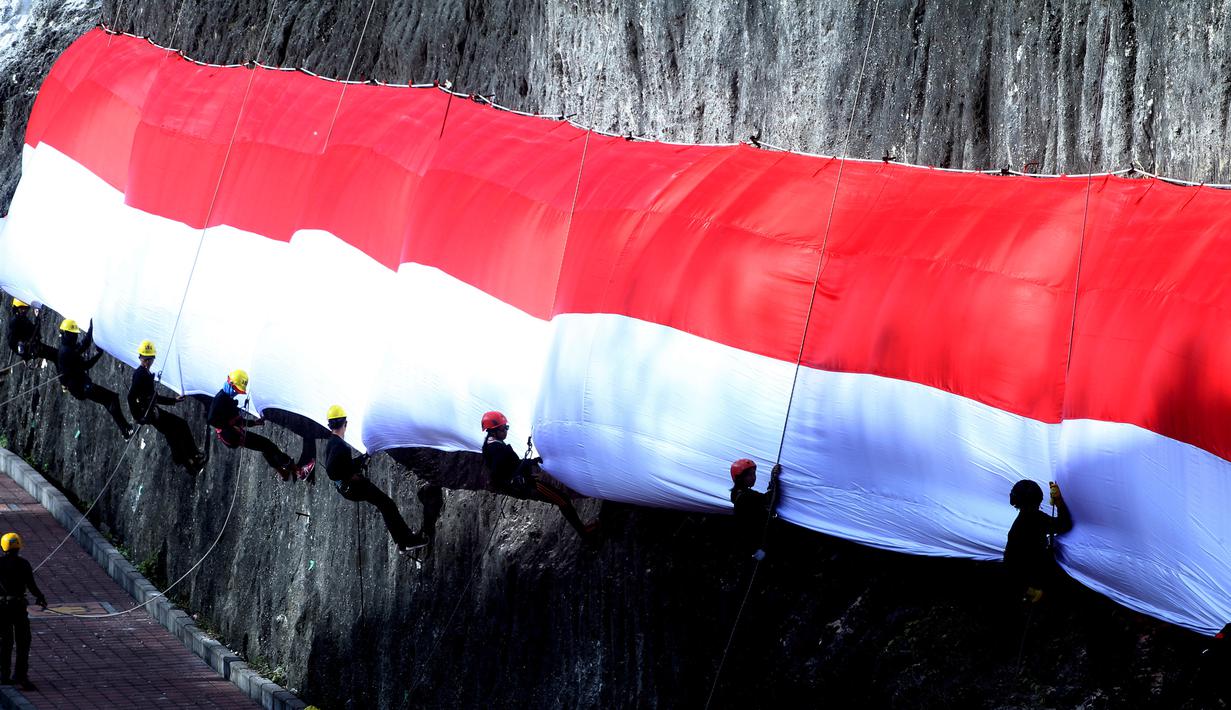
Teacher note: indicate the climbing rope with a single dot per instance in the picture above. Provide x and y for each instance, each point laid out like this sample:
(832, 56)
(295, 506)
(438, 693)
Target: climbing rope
(820, 264)
(183, 300)
(163, 593)
(346, 82)
(568, 226)
(28, 390)
(461, 597)
(226, 159)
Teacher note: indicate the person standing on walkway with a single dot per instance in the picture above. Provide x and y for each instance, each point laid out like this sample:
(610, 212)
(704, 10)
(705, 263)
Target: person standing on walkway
(232, 430)
(74, 368)
(143, 401)
(16, 576)
(346, 472)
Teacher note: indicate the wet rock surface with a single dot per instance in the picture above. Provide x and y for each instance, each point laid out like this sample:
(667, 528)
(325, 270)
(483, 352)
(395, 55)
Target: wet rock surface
(510, 610)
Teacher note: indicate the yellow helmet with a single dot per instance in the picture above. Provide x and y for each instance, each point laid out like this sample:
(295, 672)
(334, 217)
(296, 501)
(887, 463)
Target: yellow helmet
(10, 541)
(336, 412)
(18, 303)
(70, 326)
(239, 380)
(146, 349)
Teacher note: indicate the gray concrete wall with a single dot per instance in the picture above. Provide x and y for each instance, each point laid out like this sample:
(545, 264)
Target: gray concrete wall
(510, 611)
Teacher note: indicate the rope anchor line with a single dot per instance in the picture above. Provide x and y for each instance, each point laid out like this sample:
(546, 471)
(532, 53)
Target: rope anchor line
(570, 119)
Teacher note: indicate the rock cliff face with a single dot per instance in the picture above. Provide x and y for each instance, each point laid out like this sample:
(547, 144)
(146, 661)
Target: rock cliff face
(510, 610)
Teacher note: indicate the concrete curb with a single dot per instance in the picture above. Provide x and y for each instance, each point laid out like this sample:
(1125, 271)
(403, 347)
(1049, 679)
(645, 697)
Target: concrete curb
(224, 661)
(12, 699)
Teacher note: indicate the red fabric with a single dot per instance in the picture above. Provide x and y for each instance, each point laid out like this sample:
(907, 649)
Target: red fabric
(958, 281)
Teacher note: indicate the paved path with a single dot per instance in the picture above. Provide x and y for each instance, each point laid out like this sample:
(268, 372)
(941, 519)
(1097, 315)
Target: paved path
(128, 661)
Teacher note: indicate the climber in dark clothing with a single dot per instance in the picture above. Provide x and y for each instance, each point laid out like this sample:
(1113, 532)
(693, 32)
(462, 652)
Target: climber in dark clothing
(513, 475)
(753, 508)
(23, 335)
(232, 430)
(74, 368)
(346, 472)
(1028, 555)
(16, 576)
(143, 401)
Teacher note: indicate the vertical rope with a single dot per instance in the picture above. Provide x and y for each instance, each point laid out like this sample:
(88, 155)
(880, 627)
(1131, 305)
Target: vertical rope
(226, 159)
(820, 264)
(1081, 249)
(568, 225)
(346, 83)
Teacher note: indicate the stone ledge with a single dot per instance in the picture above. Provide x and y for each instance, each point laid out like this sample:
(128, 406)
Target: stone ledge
(269, 694)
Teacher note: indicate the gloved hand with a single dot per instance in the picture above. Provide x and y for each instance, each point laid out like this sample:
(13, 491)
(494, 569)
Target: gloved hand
(180, 398)
(775, 472)
(1055, 493)
(538, 460)
(364, 459)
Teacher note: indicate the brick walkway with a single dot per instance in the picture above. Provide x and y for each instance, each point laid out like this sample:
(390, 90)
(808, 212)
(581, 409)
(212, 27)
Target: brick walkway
(127, 661)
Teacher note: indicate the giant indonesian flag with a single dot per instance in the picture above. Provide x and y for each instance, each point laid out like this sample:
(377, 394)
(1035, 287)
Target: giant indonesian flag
(641, 308)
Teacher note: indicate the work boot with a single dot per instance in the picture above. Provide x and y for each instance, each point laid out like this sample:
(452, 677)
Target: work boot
(302, 472)
(417, 541)
(195, 465)
(286, 472)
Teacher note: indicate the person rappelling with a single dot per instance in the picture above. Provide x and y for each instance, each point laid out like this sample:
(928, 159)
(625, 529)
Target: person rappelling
(522, 477)
(16, 576)
(347, 473)
(1029, 554)
(143, 401)
(753, 509)
(231, 427)
(74, 368)
(23, 338)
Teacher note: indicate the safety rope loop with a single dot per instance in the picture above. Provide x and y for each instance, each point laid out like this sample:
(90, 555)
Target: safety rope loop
(193, 568)
(346, 83)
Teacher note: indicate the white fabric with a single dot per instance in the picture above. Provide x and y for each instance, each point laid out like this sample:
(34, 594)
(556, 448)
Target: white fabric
(620, 408)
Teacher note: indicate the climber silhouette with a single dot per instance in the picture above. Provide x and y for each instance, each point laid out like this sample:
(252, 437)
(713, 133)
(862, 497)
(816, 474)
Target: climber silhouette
(74, 368)
(232, 429)
(143, 401)
(513, 475)
(346, 472)
(23, 338)
(1028, 554)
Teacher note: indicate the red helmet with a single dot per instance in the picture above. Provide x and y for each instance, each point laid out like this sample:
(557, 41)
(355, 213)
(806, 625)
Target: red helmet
(491, 420)
(742, 465)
